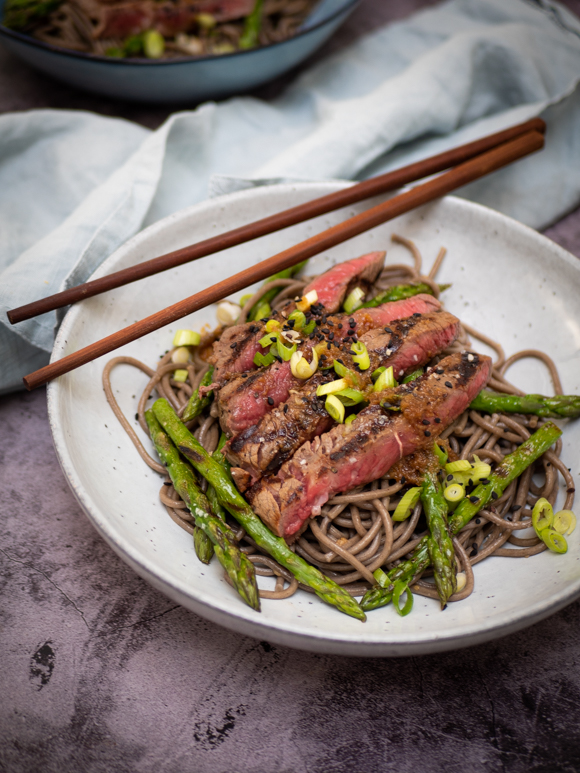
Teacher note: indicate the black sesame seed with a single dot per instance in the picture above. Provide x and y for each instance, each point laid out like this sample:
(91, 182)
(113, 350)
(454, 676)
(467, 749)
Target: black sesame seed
(478, 521)
(322, 357)
(285, 409)
(331, 336)
(449, 385)
(339, 360)
(265, 319)
(427, 433)
(233, 346)
(325, 330)
(473, 553)
(277, 358)
(403, 480)
(388, 330)
(493, 495)
(354, 339)
(437, 420)
(484, 481)
(270, 401)
(340, 325)
(136, 417)
(167, 483)
(450, 477)
(352, 322)
(425, 421)
(416, 314)
(440, 371)
(291, 322)
(473, 499)
(253, 328)
(311, 336)
(515, 508)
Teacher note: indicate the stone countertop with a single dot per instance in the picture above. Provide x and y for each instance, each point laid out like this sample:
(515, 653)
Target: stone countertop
(100, 672)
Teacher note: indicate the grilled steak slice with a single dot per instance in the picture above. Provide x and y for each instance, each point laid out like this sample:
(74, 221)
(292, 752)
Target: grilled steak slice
(355, 454)
(333, 286)
(245, 399)
(410, 344)
(234, 352)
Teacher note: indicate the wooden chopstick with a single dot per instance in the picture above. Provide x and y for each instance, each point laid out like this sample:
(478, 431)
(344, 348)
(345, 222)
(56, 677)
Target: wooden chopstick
(439, 186)
(319, 206)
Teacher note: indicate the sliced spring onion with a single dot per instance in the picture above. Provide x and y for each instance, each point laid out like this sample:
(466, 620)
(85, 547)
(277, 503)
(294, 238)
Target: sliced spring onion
(480, 470)
(153, 44)
(301, 368)
(408, 501)
(412, 376)
(180, 375)
(180, 355)
(542, 516)
(268, 340)
(335, 408)
(350, 397)
(554, 541)
(462, 465)
(461, 581)
(454, 492)
(565, 522)
(386, 380)
(262, 311)
(285, 352)
(186, 338)
(245, 298)
(263, 360)
(272, 326)
(440, 453)
(344, 372)
(399, 588)
(376, 373)
(298, 318)
(361, 355)
(309, 328)
(307, 300)
(332, 387)
(350, 419)
(381, 577)
(227, 312)
(354, 300)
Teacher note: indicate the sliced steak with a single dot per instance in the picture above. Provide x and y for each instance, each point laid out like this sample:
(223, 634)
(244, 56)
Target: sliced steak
(409, 344)
(356, 454)
(333, 286)
(245, 399)
(234, 352)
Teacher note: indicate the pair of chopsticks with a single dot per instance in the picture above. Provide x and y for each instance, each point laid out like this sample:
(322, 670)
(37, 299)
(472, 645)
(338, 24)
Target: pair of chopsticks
(464, 164)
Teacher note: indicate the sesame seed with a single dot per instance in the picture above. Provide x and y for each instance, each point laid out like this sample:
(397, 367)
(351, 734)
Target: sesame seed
(329, 345)
(473, 499)
(449, 385)
(438, 420)
(352, 322)
(325, 330)
(416, 314)
(331, 336)
(478, 521)
(427, 433)
(515, 508)
(388, 330)
(340, 325)
(425, 421)
(440, 371)
(493, 495)
(270, 401)
(285, 409)
(473, 553)
(233, 346)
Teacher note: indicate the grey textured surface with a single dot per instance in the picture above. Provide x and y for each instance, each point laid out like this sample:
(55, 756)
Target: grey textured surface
(100, 672)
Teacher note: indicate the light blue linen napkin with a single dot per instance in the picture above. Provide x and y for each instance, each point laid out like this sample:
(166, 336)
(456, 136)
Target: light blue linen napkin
(74, 186)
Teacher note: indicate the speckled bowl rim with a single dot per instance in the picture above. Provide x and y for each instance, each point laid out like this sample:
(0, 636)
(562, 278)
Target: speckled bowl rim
(201, 602)
(21, 37)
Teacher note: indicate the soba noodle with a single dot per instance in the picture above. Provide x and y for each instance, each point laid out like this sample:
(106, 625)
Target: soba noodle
(355, 533)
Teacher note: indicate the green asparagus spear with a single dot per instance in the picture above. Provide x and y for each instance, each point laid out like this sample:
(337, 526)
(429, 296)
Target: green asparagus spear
(252, 25)
(202, 544)
(511, 467)
(287, 273)
(237, 565)
(439, 543)
(233, 501)
(20, 14)
(196, 404)
(399, 293)
(559, 407)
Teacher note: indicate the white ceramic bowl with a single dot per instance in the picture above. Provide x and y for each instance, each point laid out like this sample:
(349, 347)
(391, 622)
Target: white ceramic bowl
(517, 285)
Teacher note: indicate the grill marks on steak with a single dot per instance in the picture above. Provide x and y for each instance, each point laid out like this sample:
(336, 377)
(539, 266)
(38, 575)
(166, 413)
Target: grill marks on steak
(410, 344)
(356, 454)
(245, 399)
